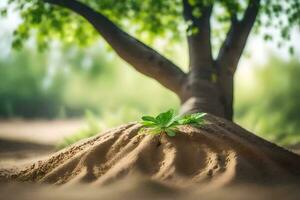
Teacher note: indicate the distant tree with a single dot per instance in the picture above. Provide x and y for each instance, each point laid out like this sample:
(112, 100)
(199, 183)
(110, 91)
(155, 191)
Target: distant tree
(208, 85)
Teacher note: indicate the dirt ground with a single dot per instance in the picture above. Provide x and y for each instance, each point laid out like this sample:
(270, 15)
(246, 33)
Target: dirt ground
(23, 141)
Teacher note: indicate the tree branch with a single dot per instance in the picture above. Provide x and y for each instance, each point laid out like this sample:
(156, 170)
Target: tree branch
(143, 58)
(199, 41)
(234, 44)
(231, 51)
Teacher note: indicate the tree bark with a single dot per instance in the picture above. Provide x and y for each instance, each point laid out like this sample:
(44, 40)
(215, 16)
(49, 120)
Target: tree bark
(200, 51)
(230, 54)
(208, 87)
(200, 92)
(210, 84)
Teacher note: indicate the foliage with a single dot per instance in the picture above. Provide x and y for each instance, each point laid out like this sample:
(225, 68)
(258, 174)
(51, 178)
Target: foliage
(194, 119)
(34, 85)
(22, 87)
(272, 109)
(167, 122)
(148, 19)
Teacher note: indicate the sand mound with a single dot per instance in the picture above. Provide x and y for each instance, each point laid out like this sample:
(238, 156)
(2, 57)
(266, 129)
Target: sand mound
(137, 188)
(220, 153)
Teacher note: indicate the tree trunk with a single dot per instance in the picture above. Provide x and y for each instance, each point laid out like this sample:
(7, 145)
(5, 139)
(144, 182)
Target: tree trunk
(209, 84)
(208, 87)
(202, 95)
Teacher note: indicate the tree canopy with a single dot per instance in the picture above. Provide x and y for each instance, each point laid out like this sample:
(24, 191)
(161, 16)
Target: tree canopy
(147, 19)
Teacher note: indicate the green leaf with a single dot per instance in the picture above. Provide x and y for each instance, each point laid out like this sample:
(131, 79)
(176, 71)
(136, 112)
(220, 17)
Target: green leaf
(199, 115)
(167, 122)
(291, 50)
(3, 12)
(197, 12)
(148, 124)
(164, 118)
(151, 19)
(195, 118)
(149, 118)
(170, 132)
(192, 2)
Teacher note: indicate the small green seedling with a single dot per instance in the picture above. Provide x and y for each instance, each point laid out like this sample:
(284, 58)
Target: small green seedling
(195, 119)
(168, 122)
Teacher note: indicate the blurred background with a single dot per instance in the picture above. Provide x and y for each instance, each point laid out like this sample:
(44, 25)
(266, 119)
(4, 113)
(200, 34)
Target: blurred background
(60, 95)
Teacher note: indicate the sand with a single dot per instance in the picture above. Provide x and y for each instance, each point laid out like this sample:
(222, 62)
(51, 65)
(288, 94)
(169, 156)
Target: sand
(216, 157)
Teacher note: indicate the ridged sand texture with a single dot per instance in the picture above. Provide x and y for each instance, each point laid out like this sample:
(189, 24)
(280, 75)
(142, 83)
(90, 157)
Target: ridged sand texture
(217, 154)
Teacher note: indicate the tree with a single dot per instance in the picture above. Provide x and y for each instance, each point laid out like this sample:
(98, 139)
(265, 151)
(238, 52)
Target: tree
(208, 85)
